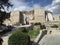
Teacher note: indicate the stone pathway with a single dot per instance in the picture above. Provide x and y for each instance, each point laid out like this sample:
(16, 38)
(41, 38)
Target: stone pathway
(6, 36)
(5, 39)
(51, 39)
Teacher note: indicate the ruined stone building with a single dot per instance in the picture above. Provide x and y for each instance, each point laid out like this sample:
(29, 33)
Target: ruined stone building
(39, 15)
(14, 18)
(49, 16)
(35, 16)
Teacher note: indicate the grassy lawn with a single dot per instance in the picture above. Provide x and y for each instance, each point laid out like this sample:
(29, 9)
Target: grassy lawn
(33, 33)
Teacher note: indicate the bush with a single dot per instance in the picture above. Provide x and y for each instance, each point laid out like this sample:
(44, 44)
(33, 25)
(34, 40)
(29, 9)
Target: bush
(54, 26)
(19, 38)
(33, 33)
(24, 29)
(42, 27)
(37, 24)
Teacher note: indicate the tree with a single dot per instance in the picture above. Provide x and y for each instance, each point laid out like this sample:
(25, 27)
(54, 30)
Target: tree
(19, 38)
(3, 15)
(4, 3)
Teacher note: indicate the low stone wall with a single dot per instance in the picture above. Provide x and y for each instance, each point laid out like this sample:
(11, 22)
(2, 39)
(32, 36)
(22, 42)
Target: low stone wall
(53, 32)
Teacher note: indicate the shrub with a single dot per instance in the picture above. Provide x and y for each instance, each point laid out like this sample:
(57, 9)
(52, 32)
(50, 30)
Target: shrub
(19, 38)
(37, 24)
(33, 33)
(54, 26)
(42, 27)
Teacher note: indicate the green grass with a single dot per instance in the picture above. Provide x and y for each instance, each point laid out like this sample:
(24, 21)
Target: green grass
(33, 33)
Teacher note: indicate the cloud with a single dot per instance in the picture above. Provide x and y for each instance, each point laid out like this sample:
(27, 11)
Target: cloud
(18, 5)
(54, 7)
(21, 5)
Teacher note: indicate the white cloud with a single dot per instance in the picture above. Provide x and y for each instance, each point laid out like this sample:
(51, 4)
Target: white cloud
(20, 5)
(54, 7)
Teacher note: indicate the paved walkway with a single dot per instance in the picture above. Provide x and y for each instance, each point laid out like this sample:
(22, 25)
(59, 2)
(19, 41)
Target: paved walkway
(6, 36)
(5, 39)
(51, 39)
(23, 26)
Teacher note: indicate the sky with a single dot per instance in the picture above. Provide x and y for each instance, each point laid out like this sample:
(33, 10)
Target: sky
(26, 5)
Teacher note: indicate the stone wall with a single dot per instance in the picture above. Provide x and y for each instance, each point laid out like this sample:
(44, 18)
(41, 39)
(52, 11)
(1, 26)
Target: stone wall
(39, 15)
(14, 18)
(56, 17)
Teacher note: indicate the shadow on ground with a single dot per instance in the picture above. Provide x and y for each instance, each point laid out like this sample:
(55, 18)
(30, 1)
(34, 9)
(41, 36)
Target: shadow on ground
(42, 35)
(34, 43)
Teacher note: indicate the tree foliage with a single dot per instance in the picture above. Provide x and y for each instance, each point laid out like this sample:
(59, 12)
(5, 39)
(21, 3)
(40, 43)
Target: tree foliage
(19, 38)
(4, 3)
(4, 15)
